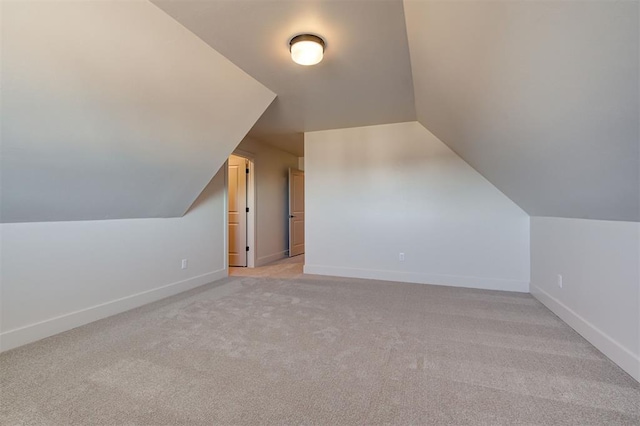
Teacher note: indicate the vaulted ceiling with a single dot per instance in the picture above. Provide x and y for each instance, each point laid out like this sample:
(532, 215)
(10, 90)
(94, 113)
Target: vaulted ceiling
(364, 79)
(114, 109)
(540, 97)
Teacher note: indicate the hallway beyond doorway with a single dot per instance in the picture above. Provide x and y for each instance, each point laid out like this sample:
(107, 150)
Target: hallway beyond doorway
(290, 267)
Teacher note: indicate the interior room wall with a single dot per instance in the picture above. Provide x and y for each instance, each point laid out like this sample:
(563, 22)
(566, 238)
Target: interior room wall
(272, 198)
(375, 192)
(600, 294)
(59, 275)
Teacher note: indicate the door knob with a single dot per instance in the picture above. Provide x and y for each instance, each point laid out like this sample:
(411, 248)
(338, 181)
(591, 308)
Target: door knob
(290, 216)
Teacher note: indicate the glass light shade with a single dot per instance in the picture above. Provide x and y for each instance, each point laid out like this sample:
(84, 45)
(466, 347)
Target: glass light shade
(307, 50)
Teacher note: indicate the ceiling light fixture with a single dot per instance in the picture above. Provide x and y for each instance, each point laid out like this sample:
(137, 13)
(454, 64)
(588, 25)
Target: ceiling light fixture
(306, 49)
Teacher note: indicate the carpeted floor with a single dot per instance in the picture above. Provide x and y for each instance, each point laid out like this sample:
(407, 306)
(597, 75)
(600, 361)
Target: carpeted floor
(314, 350)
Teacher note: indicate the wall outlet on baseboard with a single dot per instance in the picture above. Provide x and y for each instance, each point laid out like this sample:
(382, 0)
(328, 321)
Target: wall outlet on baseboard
(185, 263)
(401, 257)
(560, 280)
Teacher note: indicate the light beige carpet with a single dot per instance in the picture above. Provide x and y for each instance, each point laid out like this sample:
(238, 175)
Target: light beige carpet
(326, 351)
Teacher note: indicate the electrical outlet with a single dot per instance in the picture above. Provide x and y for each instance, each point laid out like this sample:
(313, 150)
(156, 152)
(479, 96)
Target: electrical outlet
(559, 280)
(185, 263)
(401, 257)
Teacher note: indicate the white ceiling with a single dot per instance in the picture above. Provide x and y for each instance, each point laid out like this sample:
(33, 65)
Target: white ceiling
(542, 98)
(113, 110)
(364, 79)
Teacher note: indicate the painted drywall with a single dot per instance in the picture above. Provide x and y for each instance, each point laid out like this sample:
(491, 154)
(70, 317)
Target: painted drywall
(374, 192)
(113, 110)
(271, 167)
(59, 275)
(364, 78)
(600, 295)
(541, 97)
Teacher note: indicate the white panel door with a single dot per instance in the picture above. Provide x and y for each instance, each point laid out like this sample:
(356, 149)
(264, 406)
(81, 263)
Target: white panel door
(296, 212)
(237, 211)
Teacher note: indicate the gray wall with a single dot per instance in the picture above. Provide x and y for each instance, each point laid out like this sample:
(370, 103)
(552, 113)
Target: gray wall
(374, 192)
(60, 275)
(600, 295)
(541, 97)
(113, 110)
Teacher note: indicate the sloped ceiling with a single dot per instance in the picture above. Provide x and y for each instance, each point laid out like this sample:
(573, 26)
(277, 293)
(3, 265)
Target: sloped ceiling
(113, 110)
(364, 79)
(542, 98)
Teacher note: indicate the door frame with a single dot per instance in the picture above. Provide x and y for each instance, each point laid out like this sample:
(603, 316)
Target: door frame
(251, 204)
(290, 221)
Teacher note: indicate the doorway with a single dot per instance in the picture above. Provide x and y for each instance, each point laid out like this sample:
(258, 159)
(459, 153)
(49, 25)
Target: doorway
(296, 212)
(241, 211)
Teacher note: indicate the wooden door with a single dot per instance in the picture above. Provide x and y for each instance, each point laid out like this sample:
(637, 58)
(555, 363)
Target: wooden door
(237, 211)
(296, 212)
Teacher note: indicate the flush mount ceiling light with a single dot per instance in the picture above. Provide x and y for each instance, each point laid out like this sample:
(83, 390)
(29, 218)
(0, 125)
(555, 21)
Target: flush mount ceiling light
(306, 49)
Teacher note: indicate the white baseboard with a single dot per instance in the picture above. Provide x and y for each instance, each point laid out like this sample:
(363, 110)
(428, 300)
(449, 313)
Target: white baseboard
(33, 332)
(261, 261)
(419, 278)
(622, 356)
